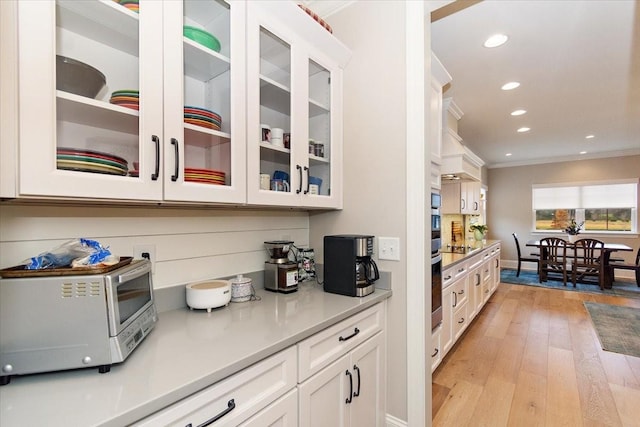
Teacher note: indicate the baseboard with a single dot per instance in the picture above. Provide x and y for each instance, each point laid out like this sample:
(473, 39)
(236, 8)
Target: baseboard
(623, 275)
(392, 421)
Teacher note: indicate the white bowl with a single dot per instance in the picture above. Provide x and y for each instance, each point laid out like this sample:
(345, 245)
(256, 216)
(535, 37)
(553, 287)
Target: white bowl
(208, 295)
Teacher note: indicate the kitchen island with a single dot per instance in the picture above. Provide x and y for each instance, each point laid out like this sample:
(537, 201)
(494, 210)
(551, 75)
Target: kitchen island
(187, 351)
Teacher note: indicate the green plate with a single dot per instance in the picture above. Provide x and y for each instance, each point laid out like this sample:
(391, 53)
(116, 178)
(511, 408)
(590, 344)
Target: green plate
(202, 37)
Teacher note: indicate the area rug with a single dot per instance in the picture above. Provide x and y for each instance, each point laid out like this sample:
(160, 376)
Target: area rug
(530, 278)
(618, 327)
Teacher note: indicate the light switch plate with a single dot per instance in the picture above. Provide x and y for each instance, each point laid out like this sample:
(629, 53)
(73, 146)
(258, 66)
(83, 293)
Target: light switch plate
(389, 248)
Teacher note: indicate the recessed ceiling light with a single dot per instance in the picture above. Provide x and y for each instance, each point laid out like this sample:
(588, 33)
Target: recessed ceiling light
(508, 154)
(590, 136)
(583, 152)
(510, 85)
(496, 40)
(518, 112)
(525, 129)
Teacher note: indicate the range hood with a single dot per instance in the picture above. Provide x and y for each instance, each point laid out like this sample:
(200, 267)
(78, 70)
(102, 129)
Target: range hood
(458, 162)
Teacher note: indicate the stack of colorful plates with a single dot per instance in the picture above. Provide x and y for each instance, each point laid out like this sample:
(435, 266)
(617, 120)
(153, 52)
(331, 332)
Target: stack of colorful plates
(202, 117)
(204, 176)
(130, 4)
(90, 161)
(129, 98)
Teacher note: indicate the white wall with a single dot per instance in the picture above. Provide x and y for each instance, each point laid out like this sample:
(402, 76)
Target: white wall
(375, 134)
(510, 209)
(190, 244)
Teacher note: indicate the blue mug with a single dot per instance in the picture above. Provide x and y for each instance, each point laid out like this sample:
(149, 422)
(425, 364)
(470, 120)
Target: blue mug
(314, 181)
(281, 175)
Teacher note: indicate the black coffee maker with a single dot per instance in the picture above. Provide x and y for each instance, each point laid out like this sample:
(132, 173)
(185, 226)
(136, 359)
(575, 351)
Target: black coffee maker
(348, 266)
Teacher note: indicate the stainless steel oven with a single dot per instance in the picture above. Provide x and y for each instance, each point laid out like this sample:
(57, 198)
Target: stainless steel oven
(436, 262)
(436, 291)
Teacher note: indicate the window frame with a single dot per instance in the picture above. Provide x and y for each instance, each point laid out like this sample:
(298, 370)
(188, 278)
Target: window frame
(580, 211)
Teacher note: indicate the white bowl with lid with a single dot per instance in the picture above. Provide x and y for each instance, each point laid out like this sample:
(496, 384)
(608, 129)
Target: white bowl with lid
(209, 294)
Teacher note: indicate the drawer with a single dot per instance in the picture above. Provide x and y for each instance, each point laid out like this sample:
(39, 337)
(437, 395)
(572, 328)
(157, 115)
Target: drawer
(247, 392)
(436, 349)
(460, 269)
(460, 292)
(460, 320)
(475, 261)
(321, 349)
(447, 277)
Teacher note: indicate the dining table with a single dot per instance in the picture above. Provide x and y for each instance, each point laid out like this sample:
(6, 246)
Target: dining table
(607, 249)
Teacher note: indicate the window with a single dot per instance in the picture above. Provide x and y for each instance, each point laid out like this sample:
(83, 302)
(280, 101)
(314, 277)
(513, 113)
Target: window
(603, 207)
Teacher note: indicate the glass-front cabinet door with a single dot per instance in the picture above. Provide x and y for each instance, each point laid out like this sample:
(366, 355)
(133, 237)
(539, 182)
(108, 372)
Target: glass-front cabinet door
(204, 94)
(134, 100)
(90, 99)
(294, 126)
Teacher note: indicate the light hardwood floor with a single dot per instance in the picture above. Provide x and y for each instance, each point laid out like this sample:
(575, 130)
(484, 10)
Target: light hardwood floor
(532, 358)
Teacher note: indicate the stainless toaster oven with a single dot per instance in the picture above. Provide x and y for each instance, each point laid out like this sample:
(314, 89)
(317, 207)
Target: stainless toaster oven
(51, 323)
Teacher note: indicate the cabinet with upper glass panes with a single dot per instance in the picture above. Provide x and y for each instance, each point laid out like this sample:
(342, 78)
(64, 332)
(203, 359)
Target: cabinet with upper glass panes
(294, 108)
(168, 124)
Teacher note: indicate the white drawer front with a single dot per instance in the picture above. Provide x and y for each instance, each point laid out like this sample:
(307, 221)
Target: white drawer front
(460, 320)
(251, 390)
(321, 349)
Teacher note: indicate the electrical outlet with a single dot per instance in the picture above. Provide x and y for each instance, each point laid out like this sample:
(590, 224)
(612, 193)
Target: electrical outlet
(145, 251)
(389, 248)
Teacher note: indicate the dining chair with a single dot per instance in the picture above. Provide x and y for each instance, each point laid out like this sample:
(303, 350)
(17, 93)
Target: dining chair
(587, 261)
(534, 257)
(622, 266)
(553, 258)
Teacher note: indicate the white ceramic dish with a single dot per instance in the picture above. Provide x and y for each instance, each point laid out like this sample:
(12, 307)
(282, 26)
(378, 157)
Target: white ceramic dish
(209, 294)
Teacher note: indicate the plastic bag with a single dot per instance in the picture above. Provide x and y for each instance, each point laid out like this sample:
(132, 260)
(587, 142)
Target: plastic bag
(77, 252)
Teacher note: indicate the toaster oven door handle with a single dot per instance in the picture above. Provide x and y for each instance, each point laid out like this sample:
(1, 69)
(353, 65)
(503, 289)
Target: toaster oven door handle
(133, 274)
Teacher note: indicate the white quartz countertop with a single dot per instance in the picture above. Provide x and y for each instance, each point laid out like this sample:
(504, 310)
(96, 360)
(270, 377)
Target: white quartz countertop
(186, 352)
(451, 259)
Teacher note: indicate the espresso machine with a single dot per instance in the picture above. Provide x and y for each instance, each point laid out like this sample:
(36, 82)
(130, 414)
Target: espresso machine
(348, 266)
(280, 273)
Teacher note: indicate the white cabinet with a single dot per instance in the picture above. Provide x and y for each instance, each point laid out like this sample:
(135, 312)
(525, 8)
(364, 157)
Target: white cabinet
(237, 398)
(143, 52)
(178, 120)
(466, 287)
(461, 198)
(349, 392)
(294, 87)
(282, 413)
(437, 353)
(495, 267)
(341, 373)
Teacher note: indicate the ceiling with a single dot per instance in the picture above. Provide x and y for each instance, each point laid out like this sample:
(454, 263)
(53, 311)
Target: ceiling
(578, 62)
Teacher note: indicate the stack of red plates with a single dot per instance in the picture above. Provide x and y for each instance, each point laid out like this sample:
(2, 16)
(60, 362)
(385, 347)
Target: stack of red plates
(90, 161)
(130, 4)
(202, 117)
(129, 98)
(204, 176)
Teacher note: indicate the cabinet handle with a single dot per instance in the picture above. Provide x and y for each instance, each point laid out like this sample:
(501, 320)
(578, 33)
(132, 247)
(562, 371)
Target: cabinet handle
(306, 169)
(455, 299)
(461, 320)
(475, 206)
(299, 190)
(156, 174)
(447, 277)
(357, 393)
(174, 142)
(463, 202)
(231, 405)
(478, 277)
(356, 331)
(350, 398)
(435, 353)
(461, 292)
